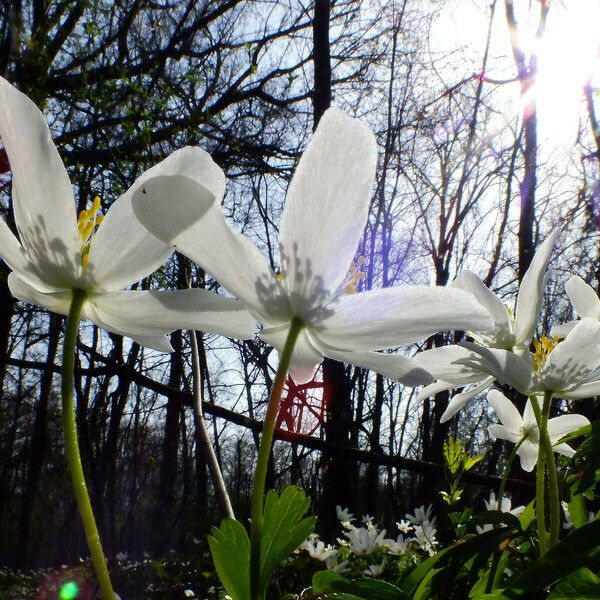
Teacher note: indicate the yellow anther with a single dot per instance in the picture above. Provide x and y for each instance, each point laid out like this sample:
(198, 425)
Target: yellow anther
(99, 220)
(543, 347)
(84, 260)
(95, 206)
(280, 276)
(354, 276)
(87, 230)
(82, 215)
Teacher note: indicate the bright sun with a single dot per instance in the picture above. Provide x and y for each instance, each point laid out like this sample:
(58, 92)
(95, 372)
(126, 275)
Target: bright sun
(568, 59)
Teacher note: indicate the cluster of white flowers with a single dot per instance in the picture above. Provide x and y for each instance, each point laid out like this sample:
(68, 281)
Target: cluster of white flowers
(360, 544)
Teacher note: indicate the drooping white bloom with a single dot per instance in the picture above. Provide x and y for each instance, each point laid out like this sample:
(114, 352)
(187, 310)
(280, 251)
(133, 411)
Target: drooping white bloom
(322, 223)
(506, 506)
(515, 427)
(365, 541)
(317, 549)
(585, 301)
(57, 253)
(567, 369)
(450, 364)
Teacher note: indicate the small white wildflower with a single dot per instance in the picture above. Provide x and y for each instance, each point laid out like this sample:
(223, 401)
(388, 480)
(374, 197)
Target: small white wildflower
(398, 547)
(122, 556)
(188, 593)
(319, 551)
(336, 567)
(343, 514)
(421, 515)
(404, 526)
(365, 541)
(375, 570)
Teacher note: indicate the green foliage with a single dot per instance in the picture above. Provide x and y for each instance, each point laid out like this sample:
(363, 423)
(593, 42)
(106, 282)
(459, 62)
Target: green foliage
(284, 529)
(579, 549)
(579, 585)
(230, 549)
(328, 584)
(456, 463)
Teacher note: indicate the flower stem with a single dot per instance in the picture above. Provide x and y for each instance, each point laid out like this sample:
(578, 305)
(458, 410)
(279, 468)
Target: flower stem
(540, 480)
(264, 450)
(72, 448)
(552, 477)
(496, 559)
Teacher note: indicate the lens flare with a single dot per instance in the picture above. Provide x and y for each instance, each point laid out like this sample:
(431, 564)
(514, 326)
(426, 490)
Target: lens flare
(68, 591)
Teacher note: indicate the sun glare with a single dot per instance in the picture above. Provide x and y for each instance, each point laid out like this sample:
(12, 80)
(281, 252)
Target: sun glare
(568, 58)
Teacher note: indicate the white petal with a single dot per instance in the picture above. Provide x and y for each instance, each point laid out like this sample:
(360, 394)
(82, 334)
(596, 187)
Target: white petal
(395, 316)
(163, 311)
(585, 300)
(43, 200)
(183, 211)
(469, 282)
(528, 412)
(528, 452)
(585, 390)
(123, 250)
(393, 366)
(507, 412)
(16, 258)
(504, 433)
(305, 359)
(563, 330)
(458, 401)
(58, 301)
(560, 426)
(565, 450)
(502, 365)
(326, 208)
(529, 298)
(434, 388)
(158, 342)
(573, 359)
(442, 364)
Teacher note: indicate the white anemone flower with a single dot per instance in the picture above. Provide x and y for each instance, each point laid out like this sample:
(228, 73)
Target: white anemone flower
(452, 366)
(318, 550)
(506, 507)
(322, 223)
(57, 253)
(365, 541)
(585, 301)
(567, 369)
(515, 427)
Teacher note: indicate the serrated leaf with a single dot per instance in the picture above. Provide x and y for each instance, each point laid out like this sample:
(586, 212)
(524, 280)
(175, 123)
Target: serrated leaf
(284, 530)
(230, 549)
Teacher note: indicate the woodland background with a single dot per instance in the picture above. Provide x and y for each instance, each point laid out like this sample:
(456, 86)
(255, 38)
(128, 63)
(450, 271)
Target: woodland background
(464, 181)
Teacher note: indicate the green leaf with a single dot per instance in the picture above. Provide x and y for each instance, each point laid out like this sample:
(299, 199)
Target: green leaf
(322, 580)
(579, 549)
(328, 582)
(496, 517)
(230, 549)
(580, 585)
(284, 530)
(578, 510)
(439, 572)
(527, 517)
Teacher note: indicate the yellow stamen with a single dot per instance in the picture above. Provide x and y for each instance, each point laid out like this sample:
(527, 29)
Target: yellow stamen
(354, 276)
(84, 260)
(543, 347)
(87, 223)
(87, 230)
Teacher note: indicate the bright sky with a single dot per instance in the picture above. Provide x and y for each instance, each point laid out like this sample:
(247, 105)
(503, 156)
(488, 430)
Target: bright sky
(568, 55)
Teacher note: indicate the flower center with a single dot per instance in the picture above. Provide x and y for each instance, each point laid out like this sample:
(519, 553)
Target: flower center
(543, 348)
(87, 224)
(531, 432)
(355, 274)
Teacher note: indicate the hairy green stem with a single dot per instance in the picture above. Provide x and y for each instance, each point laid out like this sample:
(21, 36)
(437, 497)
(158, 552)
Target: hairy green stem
(540, 481)
(72, 449)
(264, 450)
(496, 559)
